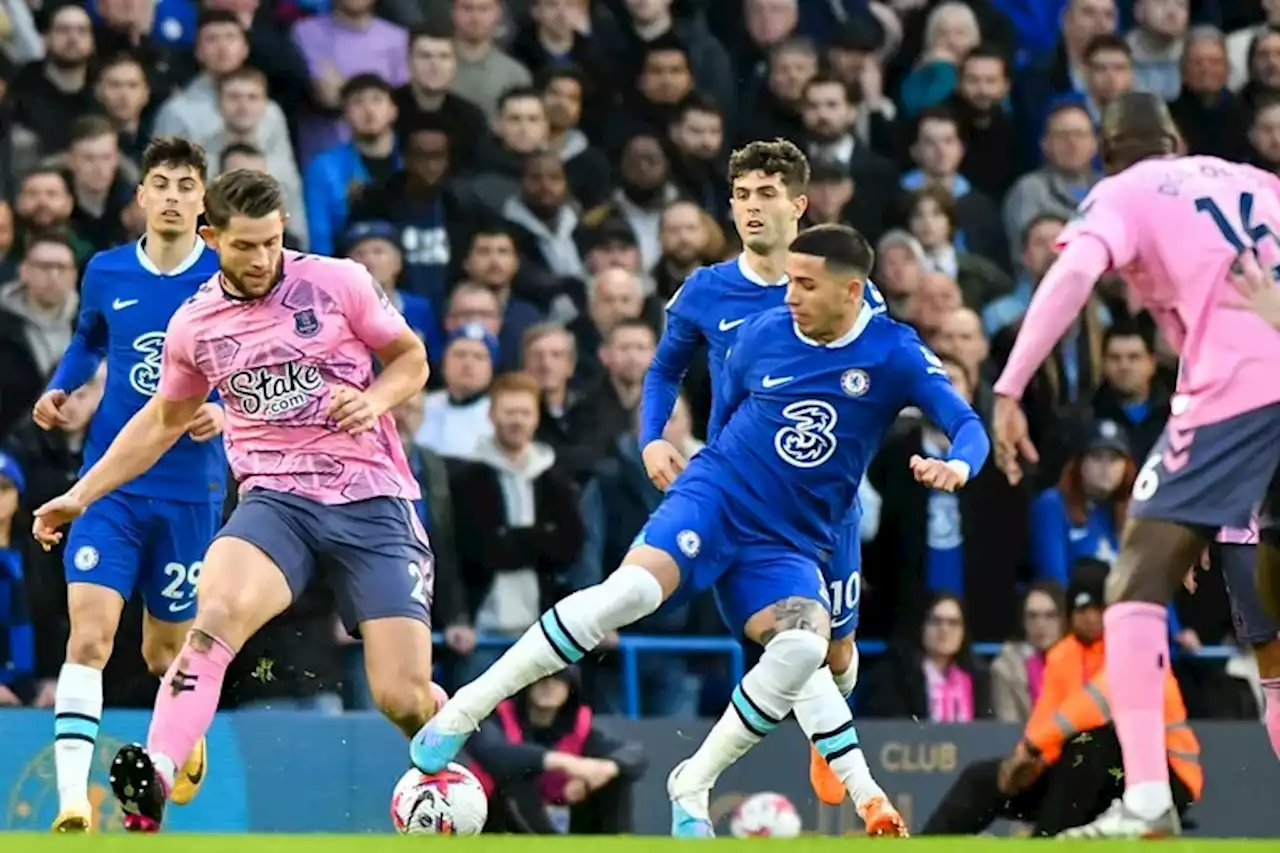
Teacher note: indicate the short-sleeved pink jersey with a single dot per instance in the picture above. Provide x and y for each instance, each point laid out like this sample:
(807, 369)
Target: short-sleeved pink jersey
(274, 360)
(1173, 227)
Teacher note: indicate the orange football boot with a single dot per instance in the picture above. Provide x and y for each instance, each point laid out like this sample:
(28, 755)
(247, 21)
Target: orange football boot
(826, 784)
(882, 819)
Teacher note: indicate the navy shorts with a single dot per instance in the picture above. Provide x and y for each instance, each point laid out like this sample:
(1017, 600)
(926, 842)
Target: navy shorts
(1214, 475)
(843, 573)
(374, 552)
(747, 571)
(1238, 566)
(156, 547)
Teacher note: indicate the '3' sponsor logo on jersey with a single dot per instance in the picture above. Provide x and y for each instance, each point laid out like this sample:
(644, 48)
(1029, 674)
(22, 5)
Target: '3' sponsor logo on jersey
(809, 440)
(144, 376)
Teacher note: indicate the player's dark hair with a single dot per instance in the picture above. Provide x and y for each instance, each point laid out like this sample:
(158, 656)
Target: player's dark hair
(1104, 43)
(778, 157)
(90, 127)
(1136, 126)
(517, 93)
(174, 151)
(1035, 222)
(242, 192)
(843, 250)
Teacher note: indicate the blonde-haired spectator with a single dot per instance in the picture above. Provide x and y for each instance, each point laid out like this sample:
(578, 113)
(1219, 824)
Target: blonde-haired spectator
(950, 32)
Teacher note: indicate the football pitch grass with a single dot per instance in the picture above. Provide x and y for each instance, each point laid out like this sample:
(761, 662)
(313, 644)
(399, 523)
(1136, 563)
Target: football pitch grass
(120, 843)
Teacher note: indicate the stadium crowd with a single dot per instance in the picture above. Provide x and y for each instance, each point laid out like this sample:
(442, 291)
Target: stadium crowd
(530, 182)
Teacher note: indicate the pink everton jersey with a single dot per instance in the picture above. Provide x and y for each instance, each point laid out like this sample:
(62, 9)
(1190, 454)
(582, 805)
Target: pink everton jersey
(274, 361)
(1173, 227)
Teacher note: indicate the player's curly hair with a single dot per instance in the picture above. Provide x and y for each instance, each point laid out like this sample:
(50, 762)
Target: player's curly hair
(174, 151)
(242, 192)
(778, 157)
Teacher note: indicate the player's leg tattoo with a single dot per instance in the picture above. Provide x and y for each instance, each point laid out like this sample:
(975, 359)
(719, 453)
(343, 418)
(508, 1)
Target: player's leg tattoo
(794, 634)
(798, 614)
(1154, 557)
(564, 635)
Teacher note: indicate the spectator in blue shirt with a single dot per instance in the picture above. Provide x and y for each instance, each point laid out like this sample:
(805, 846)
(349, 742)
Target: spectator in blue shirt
(1083, 515)
(376, 245)
(17, 639)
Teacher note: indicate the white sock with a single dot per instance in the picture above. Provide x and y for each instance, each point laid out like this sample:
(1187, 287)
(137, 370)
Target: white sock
(825, 717)
(847, 680)
(764, 697)
(77, 716)
(563, 636)
(1148, 800)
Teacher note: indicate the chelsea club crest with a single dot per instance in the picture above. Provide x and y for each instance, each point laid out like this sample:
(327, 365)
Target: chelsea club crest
(855, 382)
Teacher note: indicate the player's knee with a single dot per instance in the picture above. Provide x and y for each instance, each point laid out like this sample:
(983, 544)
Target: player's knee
(90, 643)
(799, 649)
(407, 703)
(159, 654)
(840, 654)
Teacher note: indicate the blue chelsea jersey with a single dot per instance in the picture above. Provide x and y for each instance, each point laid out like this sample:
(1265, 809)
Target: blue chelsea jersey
(125, 307)
(711, 306)
(801, 420)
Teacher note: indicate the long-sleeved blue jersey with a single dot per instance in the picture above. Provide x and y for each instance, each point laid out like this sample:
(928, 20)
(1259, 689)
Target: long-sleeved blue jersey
(125, 307)
(801, 420)
(711, 305)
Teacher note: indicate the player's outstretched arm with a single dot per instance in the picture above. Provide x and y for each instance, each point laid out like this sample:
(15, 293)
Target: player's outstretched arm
(144, 439)
(932, 391)
(404, 374)
(662, 379)
(83, 355)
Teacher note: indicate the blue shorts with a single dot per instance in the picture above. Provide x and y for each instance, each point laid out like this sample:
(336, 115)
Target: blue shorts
(128, 543)
(843, 573)
(1253, 626)
(373, 552)
(748, 571)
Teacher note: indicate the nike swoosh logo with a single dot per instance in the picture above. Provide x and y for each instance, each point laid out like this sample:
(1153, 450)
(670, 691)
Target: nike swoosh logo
(843, 620)
(771, 382)
(121, 304)
(726, 325)
(178, 608)
(197, 776)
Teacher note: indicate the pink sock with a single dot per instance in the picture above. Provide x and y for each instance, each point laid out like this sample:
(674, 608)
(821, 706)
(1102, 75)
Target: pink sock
(185, 704)
(1137, 636)
(1271, 695)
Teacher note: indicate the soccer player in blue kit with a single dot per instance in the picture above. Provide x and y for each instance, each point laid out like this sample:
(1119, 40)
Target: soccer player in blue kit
(807, 393)
(151, 534)
(768, 185)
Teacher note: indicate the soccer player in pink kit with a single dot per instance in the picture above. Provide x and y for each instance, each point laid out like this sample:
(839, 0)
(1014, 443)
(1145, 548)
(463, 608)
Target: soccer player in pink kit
(288, 340)
(1173, 227)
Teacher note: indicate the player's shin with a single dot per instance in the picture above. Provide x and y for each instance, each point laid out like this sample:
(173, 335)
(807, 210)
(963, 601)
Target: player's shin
(77, 716)
(764, 697)
(823, 713)
(186, 701)
(563, 636)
